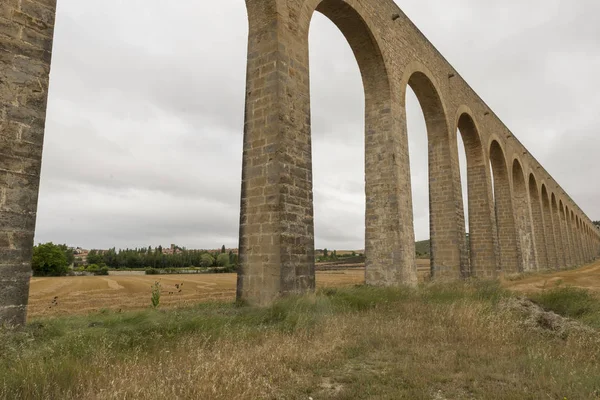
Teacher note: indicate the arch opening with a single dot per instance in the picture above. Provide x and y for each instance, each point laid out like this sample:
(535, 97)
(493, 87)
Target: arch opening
(277, 219)
(337, 135)
(388, 238)
(448, 250)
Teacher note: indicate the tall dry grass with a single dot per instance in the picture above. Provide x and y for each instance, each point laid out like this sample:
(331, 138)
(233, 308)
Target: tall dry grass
(438, 342)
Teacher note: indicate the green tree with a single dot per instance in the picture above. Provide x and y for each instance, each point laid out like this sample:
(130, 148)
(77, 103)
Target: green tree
(69, 253)
(206, 260)
(223, 260)
(49, 260)
(325, 253)
(94, 257)
(223, 249)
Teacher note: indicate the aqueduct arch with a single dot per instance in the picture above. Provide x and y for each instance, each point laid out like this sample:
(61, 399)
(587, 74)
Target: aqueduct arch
(276, 221)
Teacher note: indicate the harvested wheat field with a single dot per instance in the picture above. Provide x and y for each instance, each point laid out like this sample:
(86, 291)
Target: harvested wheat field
(85, 294)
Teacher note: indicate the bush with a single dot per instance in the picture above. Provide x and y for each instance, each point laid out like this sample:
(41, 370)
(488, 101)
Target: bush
(92, 268)
(206, 260)
(103, 271)
(49, 260)
(152, 271)
(223, 260)
(571, 302)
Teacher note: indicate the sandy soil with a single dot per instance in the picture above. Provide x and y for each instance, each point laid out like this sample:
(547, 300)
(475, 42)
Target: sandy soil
(587, 277)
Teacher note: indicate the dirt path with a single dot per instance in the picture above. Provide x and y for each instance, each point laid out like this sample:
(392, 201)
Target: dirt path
(587, 277)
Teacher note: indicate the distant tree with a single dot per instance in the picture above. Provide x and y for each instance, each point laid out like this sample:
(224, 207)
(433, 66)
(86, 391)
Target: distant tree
(597, 223)
(49, 260)
(94, 257)
(233, 258)
(206, 260)
(325, 253)
(69, 253)
(223, 251)
(223, 260)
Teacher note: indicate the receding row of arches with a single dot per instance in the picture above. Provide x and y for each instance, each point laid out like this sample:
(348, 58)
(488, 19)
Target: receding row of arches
(517, 220)
(515, 223)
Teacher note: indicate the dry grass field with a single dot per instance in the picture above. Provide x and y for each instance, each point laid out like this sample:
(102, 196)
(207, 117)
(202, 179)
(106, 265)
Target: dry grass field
(465, 340)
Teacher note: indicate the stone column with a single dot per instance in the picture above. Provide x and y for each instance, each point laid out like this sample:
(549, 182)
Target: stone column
(276, 222)
(523, 220)
(26, 30)
(482, 224)
(539, 232)
(558, 234)
(549, 231)
(567, 240)
(578, 241)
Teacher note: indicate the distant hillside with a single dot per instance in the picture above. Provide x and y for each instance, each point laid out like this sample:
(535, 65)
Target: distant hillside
(422, 248)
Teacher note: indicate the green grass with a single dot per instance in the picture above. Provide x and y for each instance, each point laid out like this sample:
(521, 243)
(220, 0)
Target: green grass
(579, 304)
(351, 343)
(423, 247)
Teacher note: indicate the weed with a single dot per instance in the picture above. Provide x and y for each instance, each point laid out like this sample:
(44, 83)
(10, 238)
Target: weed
(155, 298)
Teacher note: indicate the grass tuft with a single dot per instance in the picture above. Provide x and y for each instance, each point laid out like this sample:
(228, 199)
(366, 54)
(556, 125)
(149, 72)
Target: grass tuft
(571, 302)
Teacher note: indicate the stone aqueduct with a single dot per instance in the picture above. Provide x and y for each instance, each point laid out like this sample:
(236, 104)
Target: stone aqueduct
(525, 222)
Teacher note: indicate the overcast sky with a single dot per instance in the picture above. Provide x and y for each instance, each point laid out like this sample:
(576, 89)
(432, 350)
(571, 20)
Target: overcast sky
(143, 138)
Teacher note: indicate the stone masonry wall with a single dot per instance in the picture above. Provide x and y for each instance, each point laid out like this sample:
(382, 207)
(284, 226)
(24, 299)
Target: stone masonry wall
(26, 29)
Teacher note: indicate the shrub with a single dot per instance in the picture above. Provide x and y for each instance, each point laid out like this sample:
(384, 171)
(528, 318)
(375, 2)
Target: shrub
(49, 260)
(571, 302)
(92, 268)
(152, 271)
(223, 260)
(155, 298)
(206, 260)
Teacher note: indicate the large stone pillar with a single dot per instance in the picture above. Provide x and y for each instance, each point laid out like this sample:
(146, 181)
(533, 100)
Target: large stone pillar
(523, 220)
(558, 234)
(505, 218)
(276, 223)
(567, 239)
(482, 223)
(539, 233)
(26, 30)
